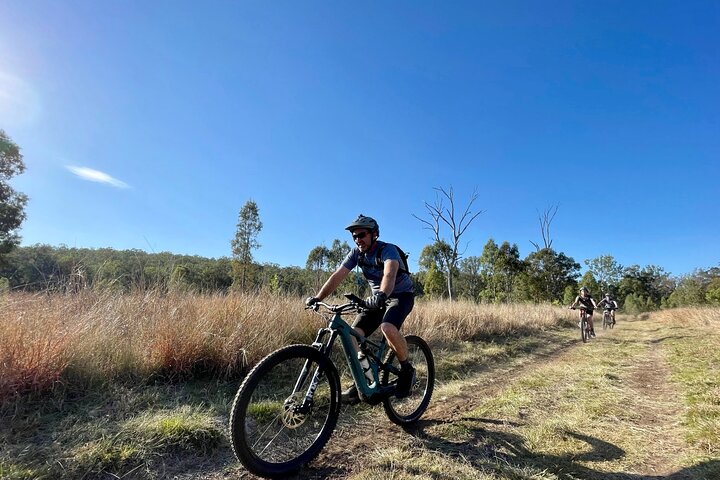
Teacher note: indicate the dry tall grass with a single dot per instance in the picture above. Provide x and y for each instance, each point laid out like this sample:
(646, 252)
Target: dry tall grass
(92, 336)
(463, 320)
(699, 316)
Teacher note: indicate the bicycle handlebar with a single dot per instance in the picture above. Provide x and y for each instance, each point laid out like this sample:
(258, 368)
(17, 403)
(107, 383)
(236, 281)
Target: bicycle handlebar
(354, 305)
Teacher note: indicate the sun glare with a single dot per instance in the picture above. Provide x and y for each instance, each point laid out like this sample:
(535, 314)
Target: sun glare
(19, 103)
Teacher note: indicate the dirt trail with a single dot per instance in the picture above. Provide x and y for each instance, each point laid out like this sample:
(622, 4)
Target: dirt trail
(660, 412)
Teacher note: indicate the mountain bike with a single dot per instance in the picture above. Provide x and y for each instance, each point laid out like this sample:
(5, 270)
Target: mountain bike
(607, 318)
(584, 325)
(288, 405)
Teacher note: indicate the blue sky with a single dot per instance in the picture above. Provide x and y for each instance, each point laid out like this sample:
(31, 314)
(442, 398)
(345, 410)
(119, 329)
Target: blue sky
(149, 124)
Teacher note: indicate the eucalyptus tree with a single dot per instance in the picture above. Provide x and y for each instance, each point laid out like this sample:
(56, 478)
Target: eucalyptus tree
(546, 275)
(650, 284)
(500, 266)
(12, 203)
(432, 263)
(606, 270)
(245, 241)
(337, 253)
(317, 264)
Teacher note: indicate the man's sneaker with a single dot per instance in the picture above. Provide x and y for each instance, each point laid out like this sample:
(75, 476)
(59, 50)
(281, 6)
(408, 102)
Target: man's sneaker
(592, 333)
(350, 396)
(405, 380)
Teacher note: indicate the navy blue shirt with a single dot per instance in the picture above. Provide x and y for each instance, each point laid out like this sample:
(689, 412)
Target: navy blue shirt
(373, 272)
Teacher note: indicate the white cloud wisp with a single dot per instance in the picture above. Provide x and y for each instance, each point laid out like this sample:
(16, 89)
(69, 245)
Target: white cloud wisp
(97, 176)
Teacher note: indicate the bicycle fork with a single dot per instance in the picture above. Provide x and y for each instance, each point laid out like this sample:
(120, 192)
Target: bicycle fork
(317, 374)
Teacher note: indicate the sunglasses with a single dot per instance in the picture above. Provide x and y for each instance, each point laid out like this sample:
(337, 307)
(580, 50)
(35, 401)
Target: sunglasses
(359, 235)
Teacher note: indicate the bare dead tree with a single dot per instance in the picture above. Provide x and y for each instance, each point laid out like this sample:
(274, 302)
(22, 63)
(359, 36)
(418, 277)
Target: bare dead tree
(546, 219)
(441, 215)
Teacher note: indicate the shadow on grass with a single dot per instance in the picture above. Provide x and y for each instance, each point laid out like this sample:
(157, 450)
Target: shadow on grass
(490, 450)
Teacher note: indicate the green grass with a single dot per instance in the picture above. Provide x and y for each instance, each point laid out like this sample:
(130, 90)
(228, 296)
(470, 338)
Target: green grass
(13, 471)
(696, 369)
(120, 430)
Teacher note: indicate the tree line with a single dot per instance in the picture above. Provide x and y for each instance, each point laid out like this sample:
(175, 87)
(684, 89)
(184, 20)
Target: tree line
(498, 275)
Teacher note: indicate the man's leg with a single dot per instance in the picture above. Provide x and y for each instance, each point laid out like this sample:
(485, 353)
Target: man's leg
(407, 371)
(396, 340)
(395, 315)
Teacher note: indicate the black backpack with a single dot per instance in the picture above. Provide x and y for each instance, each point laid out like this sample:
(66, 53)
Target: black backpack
(379, 263)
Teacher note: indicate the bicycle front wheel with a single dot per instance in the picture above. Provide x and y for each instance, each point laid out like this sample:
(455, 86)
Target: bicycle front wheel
(584, 329)
(285, 411)
(404, 411)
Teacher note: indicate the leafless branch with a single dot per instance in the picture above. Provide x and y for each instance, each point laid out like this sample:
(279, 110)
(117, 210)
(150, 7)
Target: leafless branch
(546, 219)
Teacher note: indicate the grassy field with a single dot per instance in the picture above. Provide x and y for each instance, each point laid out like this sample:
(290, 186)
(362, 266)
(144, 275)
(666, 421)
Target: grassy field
(139, 386)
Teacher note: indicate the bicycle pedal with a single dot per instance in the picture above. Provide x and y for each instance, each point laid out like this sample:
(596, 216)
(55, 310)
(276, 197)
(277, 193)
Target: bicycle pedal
(376, 398)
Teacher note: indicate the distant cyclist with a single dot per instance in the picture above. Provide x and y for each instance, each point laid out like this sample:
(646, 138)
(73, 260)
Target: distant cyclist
(588, 302)
(392, 299)
(609, 303)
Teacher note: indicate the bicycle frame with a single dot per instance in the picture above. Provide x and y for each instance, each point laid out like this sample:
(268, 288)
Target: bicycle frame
(324, 341)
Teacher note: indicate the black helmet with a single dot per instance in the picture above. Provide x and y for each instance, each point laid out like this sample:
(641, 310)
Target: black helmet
(364, 222)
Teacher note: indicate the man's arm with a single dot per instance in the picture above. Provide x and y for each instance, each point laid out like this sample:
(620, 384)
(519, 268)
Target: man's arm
(332, 283)
(390, 269)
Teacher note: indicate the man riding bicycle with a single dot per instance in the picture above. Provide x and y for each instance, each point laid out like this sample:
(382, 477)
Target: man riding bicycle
(608, 303)
(588, 302)
(391, 301)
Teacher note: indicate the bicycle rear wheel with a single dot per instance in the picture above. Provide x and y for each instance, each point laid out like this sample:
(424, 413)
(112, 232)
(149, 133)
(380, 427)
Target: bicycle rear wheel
(404, 411)
(273, 430)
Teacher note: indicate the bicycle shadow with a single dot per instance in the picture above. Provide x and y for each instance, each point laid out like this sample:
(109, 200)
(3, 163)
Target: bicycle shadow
(486, 448)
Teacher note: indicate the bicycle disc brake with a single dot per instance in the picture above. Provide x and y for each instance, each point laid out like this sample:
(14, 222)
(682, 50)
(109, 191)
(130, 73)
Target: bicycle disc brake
(293, 411)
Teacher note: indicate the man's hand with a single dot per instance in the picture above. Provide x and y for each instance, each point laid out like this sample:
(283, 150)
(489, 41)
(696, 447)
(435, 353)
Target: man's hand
(376, 301)
(310, 301)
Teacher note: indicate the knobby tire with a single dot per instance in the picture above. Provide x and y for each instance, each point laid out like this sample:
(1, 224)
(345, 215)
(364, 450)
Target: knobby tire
(404, 411)
(270, 435)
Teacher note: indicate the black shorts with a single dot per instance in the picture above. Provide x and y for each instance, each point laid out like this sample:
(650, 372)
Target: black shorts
(399, 307)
